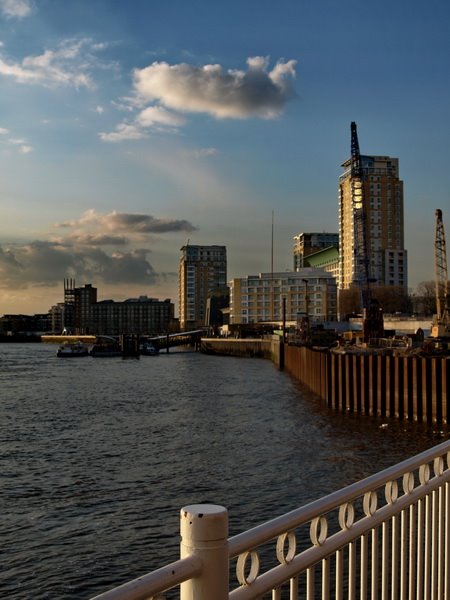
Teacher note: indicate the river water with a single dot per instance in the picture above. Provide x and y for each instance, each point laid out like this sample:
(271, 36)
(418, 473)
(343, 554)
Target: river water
(99, 455)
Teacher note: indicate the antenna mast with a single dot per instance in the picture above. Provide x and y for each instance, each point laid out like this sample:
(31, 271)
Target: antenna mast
(271, 278)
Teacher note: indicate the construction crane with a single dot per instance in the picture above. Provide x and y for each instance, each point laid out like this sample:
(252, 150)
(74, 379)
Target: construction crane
(441, 326)
(372, 314)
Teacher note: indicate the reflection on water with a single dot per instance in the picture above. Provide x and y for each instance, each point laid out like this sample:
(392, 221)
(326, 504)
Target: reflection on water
(99, 455)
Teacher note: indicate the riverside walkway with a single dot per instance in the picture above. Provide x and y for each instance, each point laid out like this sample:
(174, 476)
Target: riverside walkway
(387, 536)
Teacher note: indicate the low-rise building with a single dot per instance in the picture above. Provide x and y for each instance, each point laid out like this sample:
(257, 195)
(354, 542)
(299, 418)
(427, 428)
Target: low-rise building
(143, 316)
(32, 325)
(306, 292)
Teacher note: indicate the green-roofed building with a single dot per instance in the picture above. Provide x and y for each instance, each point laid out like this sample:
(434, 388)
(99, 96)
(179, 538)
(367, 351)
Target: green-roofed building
(326, 259)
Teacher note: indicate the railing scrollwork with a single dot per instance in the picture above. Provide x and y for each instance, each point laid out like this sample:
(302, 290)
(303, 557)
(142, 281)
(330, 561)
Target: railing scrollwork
(244, 575)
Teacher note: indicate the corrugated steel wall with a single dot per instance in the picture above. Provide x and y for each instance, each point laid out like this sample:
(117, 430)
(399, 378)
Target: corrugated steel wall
(413, 388)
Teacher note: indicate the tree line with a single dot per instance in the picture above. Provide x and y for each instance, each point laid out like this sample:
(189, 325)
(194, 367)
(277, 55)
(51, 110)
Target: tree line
(393, 299)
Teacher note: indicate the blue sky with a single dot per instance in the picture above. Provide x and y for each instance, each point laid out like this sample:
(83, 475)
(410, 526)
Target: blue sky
(128, 128)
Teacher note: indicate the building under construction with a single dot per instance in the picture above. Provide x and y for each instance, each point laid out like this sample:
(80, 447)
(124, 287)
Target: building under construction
(371, 229)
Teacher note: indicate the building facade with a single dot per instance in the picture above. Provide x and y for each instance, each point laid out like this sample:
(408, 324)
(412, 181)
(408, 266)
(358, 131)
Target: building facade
(202, 272)
(27, 325)
(84, 298)
(141, 316)
(326, 259)
(259, 298)
(61, 317)
(309, 243)
(384, 224)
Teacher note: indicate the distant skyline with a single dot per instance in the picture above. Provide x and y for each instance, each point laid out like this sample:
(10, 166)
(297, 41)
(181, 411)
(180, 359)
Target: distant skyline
(127, 129)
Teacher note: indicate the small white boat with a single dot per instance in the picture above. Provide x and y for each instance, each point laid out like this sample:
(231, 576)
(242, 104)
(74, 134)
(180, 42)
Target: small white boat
(148, 349)
(72, 350)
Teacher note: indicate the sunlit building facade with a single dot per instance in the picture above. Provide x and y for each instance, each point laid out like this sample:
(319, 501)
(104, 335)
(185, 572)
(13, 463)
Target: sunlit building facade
(260, 298)
(384, 224)
(202, 272)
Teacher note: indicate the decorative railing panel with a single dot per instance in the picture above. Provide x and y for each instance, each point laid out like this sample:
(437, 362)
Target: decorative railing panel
(387, 536)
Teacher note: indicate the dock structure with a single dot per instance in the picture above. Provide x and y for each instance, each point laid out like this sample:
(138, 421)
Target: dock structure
(130, 343)
(61, 339)
(181, 338)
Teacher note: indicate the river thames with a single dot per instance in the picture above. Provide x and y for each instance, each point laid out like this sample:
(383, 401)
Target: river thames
(98, 456)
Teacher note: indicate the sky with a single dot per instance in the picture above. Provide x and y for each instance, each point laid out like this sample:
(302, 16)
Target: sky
(128, 129)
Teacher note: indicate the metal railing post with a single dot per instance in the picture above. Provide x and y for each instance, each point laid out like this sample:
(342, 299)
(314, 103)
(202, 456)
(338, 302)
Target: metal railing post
(204, 533)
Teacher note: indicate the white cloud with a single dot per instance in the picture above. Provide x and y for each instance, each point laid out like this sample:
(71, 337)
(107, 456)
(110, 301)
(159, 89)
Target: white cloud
(15, 8)
(128, 223)
(70, 64)
(20, 143)
(26, 149)
(123, 131)
(221, 93)
(125, 104)
(205, 152)
(154, 118)
(210, 89)
(99, 110)
(157, 115)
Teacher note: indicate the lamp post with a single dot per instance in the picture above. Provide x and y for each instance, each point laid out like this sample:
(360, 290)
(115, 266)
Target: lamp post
(305, 281)
(305, 328)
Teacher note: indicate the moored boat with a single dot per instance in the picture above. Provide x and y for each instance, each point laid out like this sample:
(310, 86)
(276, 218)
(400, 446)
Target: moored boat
(106, 346)
(149, 349)
(72, 350)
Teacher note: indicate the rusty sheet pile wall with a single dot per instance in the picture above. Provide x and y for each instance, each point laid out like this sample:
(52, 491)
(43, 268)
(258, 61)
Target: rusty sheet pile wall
(412, 388)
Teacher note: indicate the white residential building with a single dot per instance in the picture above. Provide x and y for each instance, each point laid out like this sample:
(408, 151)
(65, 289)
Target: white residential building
(259, 298)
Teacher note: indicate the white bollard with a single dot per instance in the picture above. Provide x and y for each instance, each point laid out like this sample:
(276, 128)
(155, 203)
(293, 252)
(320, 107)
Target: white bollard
(204, 533)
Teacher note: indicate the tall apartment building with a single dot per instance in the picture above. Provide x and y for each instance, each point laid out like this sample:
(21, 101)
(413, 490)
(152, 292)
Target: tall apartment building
(84, 298)
(78, 301)
(384, 230)
(309, 243)
(202, 271)
(259, 298)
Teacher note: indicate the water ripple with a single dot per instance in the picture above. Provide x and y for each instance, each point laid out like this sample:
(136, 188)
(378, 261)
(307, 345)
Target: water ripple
(98, 456)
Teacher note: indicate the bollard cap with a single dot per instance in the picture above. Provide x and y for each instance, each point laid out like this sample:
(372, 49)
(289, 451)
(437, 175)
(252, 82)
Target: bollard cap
(204, 522)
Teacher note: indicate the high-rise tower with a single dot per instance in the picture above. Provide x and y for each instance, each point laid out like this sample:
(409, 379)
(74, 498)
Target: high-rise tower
(383, 224)
(202, 271)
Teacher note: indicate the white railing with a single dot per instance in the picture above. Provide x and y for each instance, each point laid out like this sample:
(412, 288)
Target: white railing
(387, 536)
